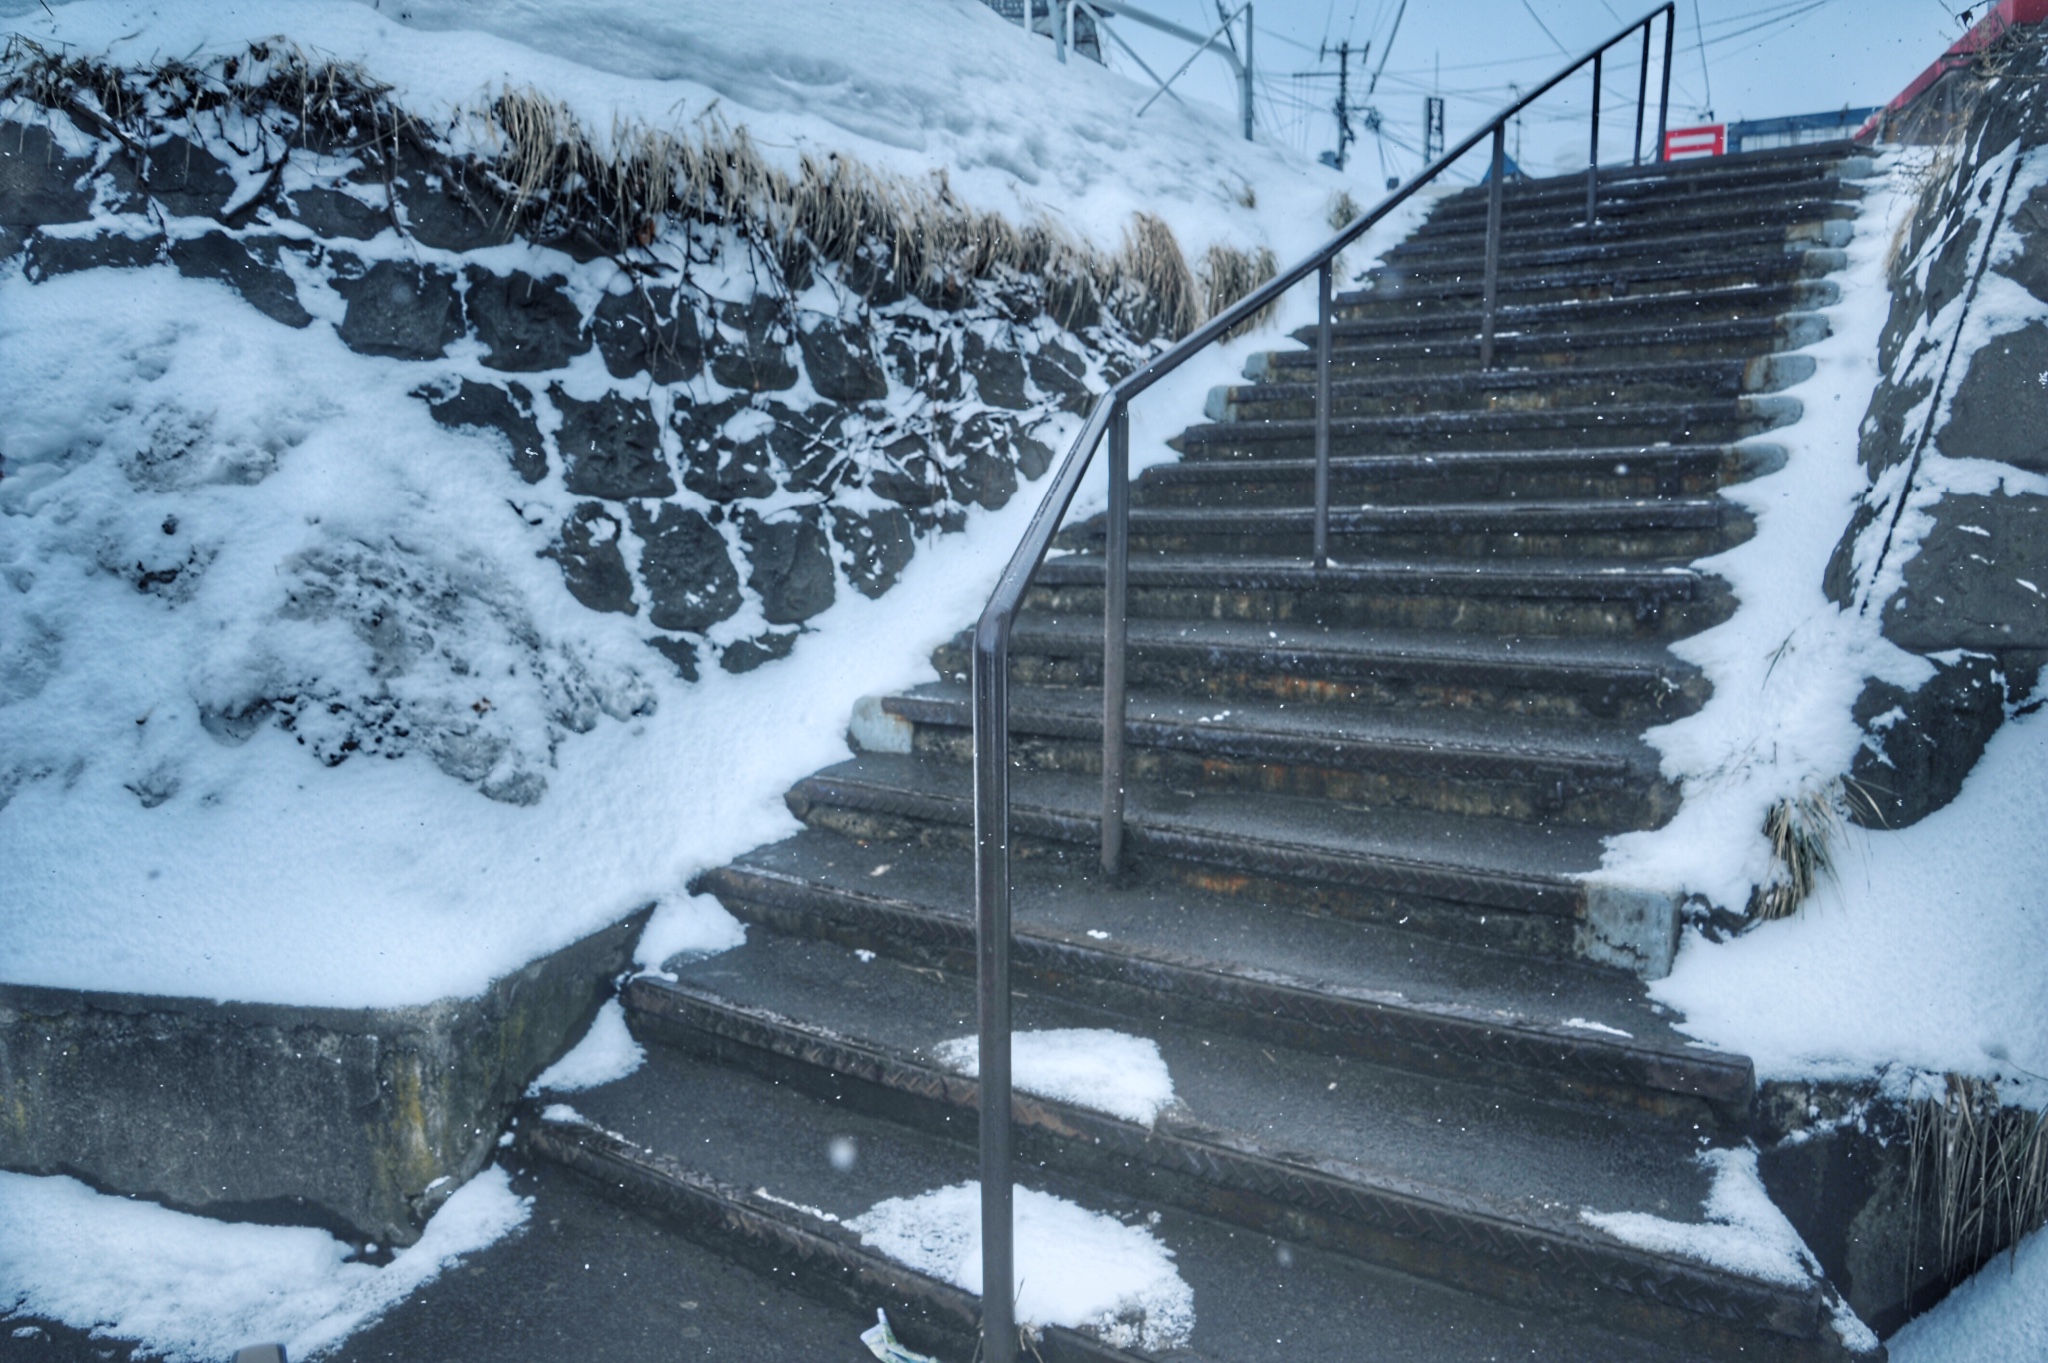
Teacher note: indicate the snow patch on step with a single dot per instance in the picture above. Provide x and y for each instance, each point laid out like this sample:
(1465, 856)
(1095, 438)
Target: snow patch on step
(1074, 1267)
(1744, 1232)
(192, 1290)
(606, 1052)
(1091, 1067)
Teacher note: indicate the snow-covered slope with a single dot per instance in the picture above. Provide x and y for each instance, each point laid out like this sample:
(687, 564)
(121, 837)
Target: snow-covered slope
(220, 534)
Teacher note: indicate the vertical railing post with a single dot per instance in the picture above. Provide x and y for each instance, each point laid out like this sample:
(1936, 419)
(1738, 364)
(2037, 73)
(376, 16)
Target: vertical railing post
(1664, 93)
(1593, 151)
(1642, 95)
(1322, 530)
(992, 983)
(1116, 566)
(1493, 206)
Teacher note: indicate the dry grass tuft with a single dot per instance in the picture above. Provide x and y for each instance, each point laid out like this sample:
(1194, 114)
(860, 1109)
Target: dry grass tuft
(1228, 274)
(1344, 210)
(1802, 831)
(1979, 1169)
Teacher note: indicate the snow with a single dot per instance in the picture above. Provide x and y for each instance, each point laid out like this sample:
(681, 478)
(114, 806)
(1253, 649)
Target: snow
(195, 1290)
(2000, 1312)
(1928, 947)
(1090, 1067)
(155, 838)
(1744, 1232)
(606, 1052)
(1074, 1267)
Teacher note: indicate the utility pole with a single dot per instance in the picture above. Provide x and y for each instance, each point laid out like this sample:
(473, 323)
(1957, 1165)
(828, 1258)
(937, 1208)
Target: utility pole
(1345, 137)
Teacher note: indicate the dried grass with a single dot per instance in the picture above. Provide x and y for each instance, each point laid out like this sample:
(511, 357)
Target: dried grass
(1979, 1169)
(1802, 831)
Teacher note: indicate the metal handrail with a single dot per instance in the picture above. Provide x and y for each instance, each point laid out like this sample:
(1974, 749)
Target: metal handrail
(991, 666)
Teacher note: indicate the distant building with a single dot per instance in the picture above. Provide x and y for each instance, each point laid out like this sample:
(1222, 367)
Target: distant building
(1085, 40)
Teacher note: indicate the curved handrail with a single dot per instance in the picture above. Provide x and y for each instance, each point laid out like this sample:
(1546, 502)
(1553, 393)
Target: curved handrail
(1110, 417)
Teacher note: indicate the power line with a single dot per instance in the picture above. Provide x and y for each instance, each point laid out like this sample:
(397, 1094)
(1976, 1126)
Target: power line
(1552, 36)
(1706, 79)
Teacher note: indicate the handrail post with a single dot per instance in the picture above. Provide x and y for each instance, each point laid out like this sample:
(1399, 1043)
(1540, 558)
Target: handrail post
(991, 682)
(1593, 152)
(1642, 95)
(1322, 531)
(1664, 94)
(1493, 205)
(1116, 565)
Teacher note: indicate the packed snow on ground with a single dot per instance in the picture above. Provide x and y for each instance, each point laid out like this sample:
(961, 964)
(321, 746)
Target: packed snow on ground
(194, 1290)
(1074, 1267)
(301, 526)
(606, 1052)
(1091, 1067)
(2000, 1313)
(1929, 946)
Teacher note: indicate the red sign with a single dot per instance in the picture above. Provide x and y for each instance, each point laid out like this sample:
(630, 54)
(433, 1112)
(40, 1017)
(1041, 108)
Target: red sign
(1709, 139)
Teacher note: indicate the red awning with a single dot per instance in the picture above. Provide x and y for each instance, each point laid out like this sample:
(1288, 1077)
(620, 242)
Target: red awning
(2002, 17)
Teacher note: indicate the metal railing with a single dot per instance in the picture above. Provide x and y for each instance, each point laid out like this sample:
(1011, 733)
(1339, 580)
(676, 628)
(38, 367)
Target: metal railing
(991, 675)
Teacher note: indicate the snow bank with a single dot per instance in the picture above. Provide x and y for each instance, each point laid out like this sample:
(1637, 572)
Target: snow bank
(1074, 1267)
(194, 1290)
(1091, 1067)
(606, 1052)
(1999, 1313)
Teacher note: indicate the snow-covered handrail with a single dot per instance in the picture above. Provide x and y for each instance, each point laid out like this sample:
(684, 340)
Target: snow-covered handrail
(991, 666)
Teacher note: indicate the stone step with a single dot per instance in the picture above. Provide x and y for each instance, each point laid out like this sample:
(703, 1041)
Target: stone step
(1706, 251)
(1714, 421)
(1478, 1190)
(1562, 219)
(1487, 882)
(1373, 319)
(1511, 596)
(681, 1139)
(1483, 766)
(1540, 348)
(1510, 388)
(1672, 186)
(1635, 681)
(1463, 476)
(1153, 949)
(1600, 531)
(1465, 285)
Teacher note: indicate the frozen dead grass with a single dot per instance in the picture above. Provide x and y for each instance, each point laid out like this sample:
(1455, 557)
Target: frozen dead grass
(193, 1290)
(1074, 1267)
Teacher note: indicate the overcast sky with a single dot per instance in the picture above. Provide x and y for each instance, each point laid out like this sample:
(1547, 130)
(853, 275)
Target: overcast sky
(1761, 58)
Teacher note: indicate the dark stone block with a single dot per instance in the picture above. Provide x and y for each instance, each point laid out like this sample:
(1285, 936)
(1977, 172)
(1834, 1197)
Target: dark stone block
(2000, 409)
(592, 565)
(1919, 745)
(654, 333)
(408, 312)
(488, 407)
(1838, 581)
(331, 213)
(38, 183)
(188, 180)
(1059, 374)
(359, 1120)
(2029, 265)
(748, 654)
(1979, 580)
(51, 256)
(1071, 301)
(998, 373)
(1885, 439)
(842, 367)
(792, 564)
(249, 267)
(908, 475)
(880, 543)
(987, 475)
(719, 469)
(1034, 456)
(873, 280)
(443, 208)
(761, 363)
(691, 582)
(679, 651)
(1949, 275)
(526, 324)
(808, 444)
(610, 448)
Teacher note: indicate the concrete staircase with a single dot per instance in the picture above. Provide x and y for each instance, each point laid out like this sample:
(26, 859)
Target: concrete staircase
(1362, 801)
